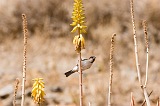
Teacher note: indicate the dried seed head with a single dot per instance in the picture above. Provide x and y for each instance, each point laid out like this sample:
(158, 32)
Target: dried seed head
(79, 43)
(38, 90)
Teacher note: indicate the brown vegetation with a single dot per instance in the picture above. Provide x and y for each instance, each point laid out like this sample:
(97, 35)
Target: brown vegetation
(50, 50)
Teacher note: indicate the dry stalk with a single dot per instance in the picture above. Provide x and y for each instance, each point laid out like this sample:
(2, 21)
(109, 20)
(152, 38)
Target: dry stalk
(80, 75)
(25, 31)
(132, 100)
(135, 44)
(136, 55)
(147, 49)
(78, 23)
(15, 91)
(111, 70)
(158, 102)
(144, 101)
(80, 81)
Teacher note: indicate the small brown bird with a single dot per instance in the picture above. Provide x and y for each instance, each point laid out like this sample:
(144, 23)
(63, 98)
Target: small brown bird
(85, 64)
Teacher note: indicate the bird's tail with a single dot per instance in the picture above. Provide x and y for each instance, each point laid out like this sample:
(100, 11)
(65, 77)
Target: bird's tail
(69, 73)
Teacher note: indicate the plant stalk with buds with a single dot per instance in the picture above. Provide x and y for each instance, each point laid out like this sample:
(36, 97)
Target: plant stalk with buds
(78, 24)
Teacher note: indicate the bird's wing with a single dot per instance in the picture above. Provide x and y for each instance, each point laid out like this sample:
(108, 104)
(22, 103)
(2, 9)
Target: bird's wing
(84, 59)
(75, 69)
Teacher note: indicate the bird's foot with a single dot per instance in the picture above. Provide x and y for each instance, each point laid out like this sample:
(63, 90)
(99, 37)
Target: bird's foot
(79, 72)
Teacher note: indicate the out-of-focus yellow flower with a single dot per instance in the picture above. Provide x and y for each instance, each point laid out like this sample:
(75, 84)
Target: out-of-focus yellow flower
(78, 17)
(38, 90)
(79, 43)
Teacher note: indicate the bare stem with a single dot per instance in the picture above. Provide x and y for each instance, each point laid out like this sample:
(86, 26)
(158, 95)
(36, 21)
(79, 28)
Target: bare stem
(80, 81)
(25, 31)
(89, 104)
(144, 101)
(147, 49)
(15, 91)
(146, 96)
(135, 44)
(158, 102)
(111, 70)
(136, 55)
(80, 76)
(132, 100)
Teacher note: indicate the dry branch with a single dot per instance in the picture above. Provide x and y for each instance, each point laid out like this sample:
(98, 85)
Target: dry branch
(144, 101)
(132, 100)
(147, 49)
(135, 44)
(15, 91)
(158, 102)
(80, 76)
(136, 55)
(80, 81)
(25, 31)
(111, 70)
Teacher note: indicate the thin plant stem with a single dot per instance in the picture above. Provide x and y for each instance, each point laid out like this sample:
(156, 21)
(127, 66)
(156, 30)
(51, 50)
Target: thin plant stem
(111, 70)
(135, 44)
(25, 31)
(158, 102)
(15, 91)
(136, 55)
(146, 96)
(144, 101)
(147, 49)
(80, 76)
(89, 104)
(132, 100)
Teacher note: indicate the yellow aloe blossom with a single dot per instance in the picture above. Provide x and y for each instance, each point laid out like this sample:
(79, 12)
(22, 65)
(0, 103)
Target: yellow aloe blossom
(78, 24)
(78, 17)
(38, 90)
(79, 42)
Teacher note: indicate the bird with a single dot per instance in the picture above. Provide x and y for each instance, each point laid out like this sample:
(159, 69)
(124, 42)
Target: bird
(85, 64)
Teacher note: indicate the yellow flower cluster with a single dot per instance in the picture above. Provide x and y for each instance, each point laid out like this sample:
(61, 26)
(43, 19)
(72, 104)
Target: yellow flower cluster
(78, 23)
(79, 42)
(78, 17)
(38, 90)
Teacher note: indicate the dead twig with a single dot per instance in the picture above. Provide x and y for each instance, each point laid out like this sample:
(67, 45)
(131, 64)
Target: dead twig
(158, 102)
(25, 31)
(137, 59)
(147, 49)
(80, 75)
(144, 101)
(15, 91)
(111, 70)
(132, 100)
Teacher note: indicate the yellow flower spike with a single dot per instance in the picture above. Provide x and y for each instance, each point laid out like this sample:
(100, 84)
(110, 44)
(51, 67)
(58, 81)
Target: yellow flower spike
(38, 90)
(78, 17)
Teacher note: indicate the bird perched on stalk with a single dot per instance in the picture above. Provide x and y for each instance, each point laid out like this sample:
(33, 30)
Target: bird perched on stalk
(85, 64)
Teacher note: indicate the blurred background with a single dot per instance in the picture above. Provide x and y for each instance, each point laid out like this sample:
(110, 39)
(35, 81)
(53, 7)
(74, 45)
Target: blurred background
(50, 52)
